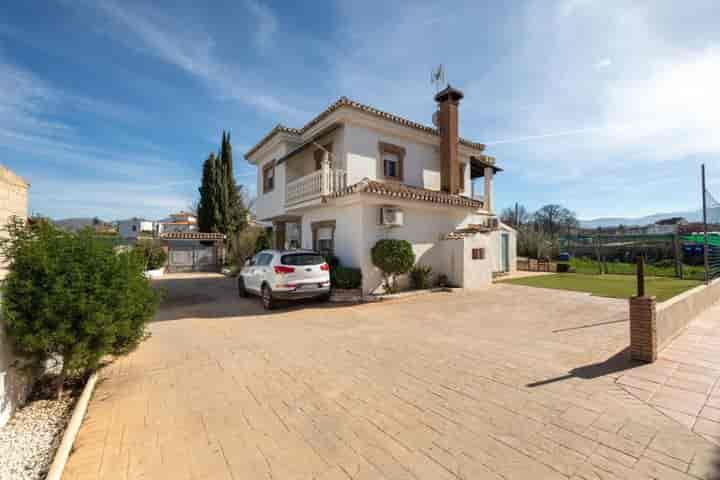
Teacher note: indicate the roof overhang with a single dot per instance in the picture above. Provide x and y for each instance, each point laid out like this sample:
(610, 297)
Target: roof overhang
(310, 142)
(478, 164)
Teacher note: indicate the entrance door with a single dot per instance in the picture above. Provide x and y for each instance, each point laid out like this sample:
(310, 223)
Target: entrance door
(505, 251)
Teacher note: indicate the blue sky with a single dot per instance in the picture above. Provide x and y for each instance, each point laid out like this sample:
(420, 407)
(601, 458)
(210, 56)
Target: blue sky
(109, 107)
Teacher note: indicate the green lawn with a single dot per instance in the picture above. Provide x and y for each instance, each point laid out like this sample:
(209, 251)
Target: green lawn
(662, 269)
(614, 286)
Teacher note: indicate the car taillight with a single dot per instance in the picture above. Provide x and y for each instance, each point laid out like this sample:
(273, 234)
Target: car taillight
(325, 267)
(281, 269)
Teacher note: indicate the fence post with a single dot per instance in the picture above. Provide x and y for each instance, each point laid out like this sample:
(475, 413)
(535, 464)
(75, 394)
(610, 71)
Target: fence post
(678, 256)
(643, 315)
(640, 271)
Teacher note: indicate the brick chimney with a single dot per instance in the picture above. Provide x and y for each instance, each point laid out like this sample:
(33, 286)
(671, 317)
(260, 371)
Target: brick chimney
(448, 101)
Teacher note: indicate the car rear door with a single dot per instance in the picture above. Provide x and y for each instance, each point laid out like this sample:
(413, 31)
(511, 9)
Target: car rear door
(248, 274)
(263, 272)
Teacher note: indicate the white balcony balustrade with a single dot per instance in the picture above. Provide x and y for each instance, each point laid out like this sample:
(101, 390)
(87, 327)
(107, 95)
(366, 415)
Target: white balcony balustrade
(319, 183)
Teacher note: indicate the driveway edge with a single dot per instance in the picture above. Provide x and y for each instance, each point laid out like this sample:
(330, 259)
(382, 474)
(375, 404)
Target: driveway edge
(73, 427)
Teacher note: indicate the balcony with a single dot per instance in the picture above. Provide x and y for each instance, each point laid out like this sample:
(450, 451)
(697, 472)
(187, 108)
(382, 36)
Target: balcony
(319, 183)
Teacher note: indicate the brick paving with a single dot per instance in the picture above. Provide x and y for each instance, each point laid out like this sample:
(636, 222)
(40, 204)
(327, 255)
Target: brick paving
(508, 382)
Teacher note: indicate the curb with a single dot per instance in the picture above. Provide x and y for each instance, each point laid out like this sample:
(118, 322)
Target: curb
(73, 427)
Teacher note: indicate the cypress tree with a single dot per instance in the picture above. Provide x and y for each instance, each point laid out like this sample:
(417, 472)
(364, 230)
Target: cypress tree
(209, 208)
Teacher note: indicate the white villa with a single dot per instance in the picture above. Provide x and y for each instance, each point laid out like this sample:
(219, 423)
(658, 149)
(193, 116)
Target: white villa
(133, 228)
(355, 174)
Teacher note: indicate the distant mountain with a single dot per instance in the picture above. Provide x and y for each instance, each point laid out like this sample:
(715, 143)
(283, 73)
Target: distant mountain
(691, 216)
(73, 224)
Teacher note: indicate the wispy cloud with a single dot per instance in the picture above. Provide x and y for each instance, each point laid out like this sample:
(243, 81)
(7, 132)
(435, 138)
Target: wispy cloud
(191, 49)
(528, 138)
(604, 63)
(267, 22)
(109, 200)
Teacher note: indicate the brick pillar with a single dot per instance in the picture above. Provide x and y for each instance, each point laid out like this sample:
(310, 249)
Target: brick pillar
(643, 329)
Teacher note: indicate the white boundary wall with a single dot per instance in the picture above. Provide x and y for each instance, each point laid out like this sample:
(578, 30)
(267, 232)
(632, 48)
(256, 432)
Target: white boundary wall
(13, 387)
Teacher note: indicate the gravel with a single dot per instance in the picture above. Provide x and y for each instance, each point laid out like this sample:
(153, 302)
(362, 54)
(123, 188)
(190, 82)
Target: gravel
(28, 441)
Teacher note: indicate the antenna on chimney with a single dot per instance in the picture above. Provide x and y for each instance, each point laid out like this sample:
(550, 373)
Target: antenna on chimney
(437, 77)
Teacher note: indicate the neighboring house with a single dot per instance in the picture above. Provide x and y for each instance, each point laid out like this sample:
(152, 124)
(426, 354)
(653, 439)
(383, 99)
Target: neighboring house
(355, 174)
(136, 227)
(665, 227)
(177, 223)
(13, 385)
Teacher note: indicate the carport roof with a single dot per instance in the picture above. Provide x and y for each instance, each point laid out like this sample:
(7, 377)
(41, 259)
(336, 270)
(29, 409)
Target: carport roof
(192, 236)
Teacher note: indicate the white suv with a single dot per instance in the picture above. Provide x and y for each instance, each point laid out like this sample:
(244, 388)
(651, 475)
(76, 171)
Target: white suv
(293, 274)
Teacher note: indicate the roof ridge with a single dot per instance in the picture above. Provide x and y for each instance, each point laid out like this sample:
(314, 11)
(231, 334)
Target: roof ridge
(346, 101)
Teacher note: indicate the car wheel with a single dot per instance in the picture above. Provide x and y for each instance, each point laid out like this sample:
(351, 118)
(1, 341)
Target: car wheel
(267, 300)
(324, 298)
(241, 288)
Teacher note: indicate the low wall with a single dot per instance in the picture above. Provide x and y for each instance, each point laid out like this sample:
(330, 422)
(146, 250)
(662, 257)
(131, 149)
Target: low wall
(654, 325)
(673, 315)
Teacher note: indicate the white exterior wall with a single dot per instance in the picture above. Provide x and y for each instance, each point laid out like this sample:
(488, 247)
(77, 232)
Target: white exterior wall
(125, 228)
(421, 167)
(271, 204)
(13, 384)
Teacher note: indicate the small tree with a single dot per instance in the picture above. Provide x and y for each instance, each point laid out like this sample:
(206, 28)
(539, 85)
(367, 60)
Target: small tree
(264, 241)
(152, 253)
(70, 298)
(392, 257)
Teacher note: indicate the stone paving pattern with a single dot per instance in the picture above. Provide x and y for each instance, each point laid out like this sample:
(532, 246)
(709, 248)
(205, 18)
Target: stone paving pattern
(509, 382)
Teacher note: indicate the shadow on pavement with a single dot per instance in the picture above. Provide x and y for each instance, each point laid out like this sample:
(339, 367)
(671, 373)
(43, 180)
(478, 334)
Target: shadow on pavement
(619, 362)
(215, 296)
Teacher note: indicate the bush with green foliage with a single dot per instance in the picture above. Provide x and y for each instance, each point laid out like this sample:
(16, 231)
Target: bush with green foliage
(152, 253)
(393, 257)
(244, 246)
(420, 276)
(70, 298)
(346, 277)
(264, 241)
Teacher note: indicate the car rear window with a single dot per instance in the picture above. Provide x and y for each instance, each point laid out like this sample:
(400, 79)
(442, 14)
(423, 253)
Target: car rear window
(301, 259)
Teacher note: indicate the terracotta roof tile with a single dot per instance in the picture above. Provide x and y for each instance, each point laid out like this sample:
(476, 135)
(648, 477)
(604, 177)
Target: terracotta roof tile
(192, 236)
(406, 192)
(346, 102)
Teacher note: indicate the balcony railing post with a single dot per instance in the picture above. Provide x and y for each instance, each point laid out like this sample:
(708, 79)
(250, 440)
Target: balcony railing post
(325, 167)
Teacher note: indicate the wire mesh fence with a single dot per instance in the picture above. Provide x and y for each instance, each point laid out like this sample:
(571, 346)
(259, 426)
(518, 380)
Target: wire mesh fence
(711, 239)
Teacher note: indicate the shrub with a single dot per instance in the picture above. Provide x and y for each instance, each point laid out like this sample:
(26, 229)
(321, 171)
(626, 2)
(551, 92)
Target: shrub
(346, 277)
(420, 276)
(264, 241)
(246, 244)
(392, 257)
(71, 298)
(152, 253)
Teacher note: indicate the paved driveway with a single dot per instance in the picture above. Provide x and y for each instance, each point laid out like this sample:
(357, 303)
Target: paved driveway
(508, 382)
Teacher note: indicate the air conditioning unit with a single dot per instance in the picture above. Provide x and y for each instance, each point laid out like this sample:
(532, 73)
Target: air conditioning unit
(391, 217)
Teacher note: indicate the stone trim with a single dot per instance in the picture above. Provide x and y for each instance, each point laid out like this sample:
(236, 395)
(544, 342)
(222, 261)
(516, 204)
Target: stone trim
(384, 148)
(643, 329)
